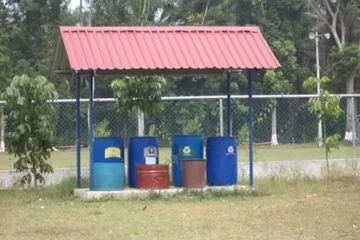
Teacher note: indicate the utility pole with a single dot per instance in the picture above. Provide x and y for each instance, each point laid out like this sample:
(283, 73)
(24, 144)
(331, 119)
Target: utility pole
(318, 84)
(80, 13)
(90, 12)
(316, 36)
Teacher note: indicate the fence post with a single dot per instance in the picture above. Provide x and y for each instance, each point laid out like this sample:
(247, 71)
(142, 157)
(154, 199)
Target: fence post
(221, 116)
(2, 129)
(274, 140)
(353, 128)
(141, 124)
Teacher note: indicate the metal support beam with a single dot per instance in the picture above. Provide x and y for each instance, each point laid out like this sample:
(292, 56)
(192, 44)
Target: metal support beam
(250, 125)
(229, 125)
(91, 127)
(221, 117)
(78, 155)
(353, 121)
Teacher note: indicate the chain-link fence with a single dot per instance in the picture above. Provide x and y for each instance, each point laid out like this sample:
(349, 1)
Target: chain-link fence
(283, 127)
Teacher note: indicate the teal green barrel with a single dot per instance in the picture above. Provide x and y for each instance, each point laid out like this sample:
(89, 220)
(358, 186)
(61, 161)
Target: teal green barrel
(108, 164)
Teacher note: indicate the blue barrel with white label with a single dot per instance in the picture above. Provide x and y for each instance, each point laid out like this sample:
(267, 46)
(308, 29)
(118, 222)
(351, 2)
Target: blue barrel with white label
(221, 167)
(184, 147)
(108, 164)
(142, 150)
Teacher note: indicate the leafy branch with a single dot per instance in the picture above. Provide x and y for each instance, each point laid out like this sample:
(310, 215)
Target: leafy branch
(326, 108)
(142, 93)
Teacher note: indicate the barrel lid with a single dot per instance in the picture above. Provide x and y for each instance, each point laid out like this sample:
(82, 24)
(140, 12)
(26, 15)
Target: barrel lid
(110, 138)
(186, 136)
(142, 137)
(222, 137)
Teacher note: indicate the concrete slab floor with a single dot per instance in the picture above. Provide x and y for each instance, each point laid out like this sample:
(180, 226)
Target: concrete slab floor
(131, 193)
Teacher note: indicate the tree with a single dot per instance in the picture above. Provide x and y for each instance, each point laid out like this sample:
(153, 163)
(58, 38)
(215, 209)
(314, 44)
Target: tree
(326, 108)
(5, 71)
(278, 81)
(139, 93)
(33, 28)
(284, 25)
(31, 124)
(341, 17)
(345, 64)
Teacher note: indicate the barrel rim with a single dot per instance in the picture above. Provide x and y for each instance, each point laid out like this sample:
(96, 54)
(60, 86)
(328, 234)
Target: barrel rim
(187, 135)
(109, 138)
(152, 171)
(221, 137)
(194, 160)
(143, 137)
(157, 165)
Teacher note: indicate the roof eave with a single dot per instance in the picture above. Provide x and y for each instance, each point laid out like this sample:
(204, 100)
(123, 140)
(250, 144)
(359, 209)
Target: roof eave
(61, 64)
(61, 60)
(55, 63)
(138, 72)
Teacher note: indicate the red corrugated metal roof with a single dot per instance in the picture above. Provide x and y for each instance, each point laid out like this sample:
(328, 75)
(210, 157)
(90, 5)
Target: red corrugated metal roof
(172, 48)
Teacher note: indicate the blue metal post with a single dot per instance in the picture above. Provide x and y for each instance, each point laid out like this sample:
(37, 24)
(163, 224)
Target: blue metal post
(91, 127)
(228, 102)
(78, 155)
(250, 125)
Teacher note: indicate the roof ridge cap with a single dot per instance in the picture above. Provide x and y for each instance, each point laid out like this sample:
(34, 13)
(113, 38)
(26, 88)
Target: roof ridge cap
(163, 28)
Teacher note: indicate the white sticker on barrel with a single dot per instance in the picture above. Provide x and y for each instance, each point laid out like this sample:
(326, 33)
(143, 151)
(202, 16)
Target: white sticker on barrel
(230, 150)
(186, 150)
(150, 160)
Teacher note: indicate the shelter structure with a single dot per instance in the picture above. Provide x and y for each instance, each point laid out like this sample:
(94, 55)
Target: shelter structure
(161, 50)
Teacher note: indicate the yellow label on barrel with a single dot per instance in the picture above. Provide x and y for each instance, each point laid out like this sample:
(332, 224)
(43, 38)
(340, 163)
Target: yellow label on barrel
(112, 152)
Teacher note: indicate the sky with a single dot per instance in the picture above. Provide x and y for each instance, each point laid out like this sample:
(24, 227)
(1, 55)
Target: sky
(74, 4)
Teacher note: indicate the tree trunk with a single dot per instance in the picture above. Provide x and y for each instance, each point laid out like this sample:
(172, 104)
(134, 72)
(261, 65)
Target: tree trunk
(2, 131)
(349, 108)
(33, 171)
(274, 140)
(141, 123)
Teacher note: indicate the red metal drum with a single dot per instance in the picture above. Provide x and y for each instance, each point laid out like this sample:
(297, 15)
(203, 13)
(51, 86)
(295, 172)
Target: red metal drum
(152, 176)
(194, 171)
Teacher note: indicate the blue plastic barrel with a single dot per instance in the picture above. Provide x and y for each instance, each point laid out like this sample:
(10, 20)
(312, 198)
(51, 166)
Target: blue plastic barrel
(142, 150)
(108, 164)
(184, 147)
(221, 165)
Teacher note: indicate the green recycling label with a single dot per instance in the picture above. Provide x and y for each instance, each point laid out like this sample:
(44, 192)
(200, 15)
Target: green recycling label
(186, 151)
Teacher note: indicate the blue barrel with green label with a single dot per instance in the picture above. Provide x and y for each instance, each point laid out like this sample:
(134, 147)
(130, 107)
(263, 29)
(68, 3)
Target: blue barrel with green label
(108, 164)
(221, 165)
(184, 147)
(142, 150)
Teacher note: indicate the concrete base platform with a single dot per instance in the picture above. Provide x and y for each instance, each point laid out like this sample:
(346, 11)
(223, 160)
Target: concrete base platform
(131, 193)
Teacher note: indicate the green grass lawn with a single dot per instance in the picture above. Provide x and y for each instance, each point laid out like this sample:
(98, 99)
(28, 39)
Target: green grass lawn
(286, 210)
(67, 158)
